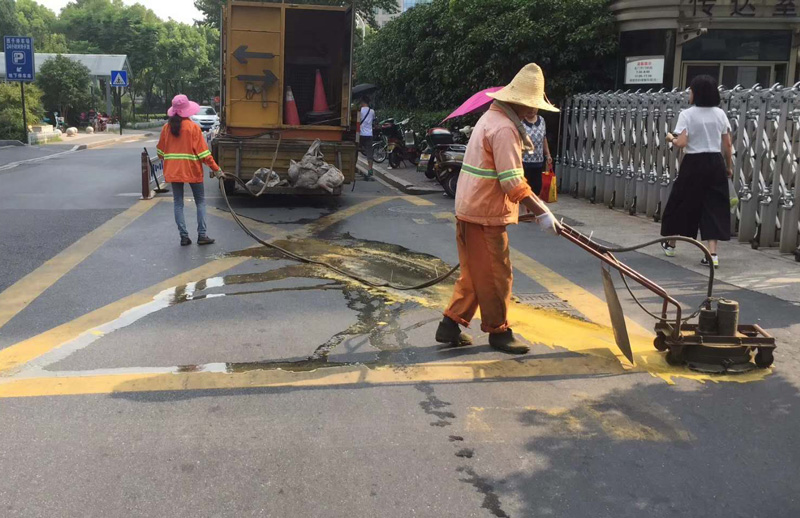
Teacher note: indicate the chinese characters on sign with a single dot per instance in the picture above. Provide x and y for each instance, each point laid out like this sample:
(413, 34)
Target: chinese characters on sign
(744, 8)
(19, 58)
(646, 70)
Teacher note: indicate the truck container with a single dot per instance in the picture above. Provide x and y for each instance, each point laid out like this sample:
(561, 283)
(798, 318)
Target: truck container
(269, 49)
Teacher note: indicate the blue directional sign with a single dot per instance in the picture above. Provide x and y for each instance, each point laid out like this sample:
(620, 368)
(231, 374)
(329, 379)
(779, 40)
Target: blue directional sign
(19, 58)
(119, 78)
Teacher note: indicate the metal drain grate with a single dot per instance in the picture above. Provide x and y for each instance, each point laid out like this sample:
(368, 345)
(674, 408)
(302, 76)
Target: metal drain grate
(546, 301)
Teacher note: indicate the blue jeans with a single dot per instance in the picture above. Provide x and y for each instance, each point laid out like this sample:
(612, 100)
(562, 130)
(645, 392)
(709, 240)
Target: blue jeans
(199, 199)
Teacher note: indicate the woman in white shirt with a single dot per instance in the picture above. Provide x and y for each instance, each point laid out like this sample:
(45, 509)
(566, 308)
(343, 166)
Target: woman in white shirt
(699, 199)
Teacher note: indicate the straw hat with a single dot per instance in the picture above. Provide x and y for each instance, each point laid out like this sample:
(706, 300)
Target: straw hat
(527, 89)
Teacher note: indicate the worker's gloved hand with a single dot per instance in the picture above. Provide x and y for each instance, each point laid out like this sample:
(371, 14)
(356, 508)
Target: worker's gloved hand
(216, 174)
(547, 222)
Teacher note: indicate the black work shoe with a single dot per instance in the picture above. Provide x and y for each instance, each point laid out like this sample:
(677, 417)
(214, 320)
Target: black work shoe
(185, 241)
(450, 334)
(507, 343)
(204, 240)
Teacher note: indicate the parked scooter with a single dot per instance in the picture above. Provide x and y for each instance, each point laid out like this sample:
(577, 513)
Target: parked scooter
(444, 158)
(402, 144)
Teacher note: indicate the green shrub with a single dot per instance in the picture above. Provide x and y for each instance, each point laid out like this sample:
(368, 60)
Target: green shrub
(11, 110)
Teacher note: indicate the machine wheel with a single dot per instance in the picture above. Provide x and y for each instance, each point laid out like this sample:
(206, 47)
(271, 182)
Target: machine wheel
(764, 358)
(394, 159)
(675, 356)
(660, 343)
(229, 186)
(379, 152)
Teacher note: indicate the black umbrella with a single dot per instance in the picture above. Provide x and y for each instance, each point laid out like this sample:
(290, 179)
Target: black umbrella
(364, 89)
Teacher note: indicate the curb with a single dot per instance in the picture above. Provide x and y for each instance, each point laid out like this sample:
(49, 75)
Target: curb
(10, 143)
(397, 182)
(119, 140)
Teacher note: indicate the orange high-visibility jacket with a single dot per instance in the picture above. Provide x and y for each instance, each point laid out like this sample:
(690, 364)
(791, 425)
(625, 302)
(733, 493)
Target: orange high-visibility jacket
(185, 154)
(492, 181)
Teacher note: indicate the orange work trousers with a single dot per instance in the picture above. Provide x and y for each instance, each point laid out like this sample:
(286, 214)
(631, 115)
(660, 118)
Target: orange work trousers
(486, 277)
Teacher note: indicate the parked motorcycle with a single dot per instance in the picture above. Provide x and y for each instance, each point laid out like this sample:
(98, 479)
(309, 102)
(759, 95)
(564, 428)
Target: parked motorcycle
(380, 144)
(402, 144)
(444, 158)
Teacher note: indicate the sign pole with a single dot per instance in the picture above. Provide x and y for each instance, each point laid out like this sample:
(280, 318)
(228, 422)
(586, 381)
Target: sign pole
(24, 115)
(119, 103)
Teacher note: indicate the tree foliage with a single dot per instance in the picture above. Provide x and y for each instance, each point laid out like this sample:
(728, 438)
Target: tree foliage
(436, 55)
(8, 19)
(39, 22)
(11, 110)
(65, 85)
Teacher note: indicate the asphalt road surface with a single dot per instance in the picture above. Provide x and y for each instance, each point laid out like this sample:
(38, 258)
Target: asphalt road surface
(141, 378)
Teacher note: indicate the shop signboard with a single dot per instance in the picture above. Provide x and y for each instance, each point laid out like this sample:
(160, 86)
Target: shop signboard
(644, 70)
(740, 9)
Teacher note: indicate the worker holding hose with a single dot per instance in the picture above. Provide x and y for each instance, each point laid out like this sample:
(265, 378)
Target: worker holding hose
(183, 149)
(490, 188)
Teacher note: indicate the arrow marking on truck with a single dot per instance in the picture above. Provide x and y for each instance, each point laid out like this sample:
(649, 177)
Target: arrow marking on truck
(241, 55)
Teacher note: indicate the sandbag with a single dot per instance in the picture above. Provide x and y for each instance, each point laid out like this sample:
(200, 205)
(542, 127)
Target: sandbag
(263, 178)
(312, 172)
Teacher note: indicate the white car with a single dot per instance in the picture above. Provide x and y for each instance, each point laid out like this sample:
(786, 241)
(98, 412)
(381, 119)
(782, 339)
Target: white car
(206, 118)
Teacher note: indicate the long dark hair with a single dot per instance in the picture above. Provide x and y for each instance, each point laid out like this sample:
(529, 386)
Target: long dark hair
(175, 124)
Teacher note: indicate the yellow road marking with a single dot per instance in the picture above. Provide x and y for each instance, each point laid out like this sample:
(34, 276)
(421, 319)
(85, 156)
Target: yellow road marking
(27, 350)
(19, 295)
(591, 306)
(324, 377)
(342, 215)
(20, 353)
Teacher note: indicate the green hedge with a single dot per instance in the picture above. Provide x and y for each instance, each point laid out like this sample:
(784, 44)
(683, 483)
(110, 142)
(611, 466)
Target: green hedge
(11, 110)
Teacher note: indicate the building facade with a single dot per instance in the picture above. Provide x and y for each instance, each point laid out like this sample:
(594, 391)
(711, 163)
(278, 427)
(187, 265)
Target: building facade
(382, 17)
(666, 43)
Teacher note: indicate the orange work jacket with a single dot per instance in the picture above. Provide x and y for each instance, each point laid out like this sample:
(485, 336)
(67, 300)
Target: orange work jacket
(492, 181)
(185, 154)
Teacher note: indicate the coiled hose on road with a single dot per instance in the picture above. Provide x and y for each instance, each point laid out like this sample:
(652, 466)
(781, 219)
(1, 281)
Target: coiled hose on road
(442, 278)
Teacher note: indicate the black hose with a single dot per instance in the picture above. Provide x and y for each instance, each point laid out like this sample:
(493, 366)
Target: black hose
(329, 266)
(441, 278)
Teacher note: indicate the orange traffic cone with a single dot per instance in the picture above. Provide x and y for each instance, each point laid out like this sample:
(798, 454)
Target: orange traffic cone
(320, 101)
(290, 115)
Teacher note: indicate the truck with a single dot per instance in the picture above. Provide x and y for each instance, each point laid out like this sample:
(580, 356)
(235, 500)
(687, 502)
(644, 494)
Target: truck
(276, 57)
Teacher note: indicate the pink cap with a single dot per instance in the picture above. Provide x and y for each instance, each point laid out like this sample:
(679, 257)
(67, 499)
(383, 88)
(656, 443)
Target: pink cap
(182, 106)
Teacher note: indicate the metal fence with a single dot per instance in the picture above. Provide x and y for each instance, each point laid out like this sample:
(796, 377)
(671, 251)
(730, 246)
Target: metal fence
(613, 151)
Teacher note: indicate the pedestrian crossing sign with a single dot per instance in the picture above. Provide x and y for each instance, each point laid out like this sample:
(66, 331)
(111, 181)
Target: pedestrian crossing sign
(119, 78)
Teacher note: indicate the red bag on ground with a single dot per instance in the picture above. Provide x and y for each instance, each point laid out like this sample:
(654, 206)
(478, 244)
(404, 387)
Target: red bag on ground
(549, 192)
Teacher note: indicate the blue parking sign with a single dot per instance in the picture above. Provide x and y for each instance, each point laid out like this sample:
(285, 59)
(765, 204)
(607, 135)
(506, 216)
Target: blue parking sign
(19, 58)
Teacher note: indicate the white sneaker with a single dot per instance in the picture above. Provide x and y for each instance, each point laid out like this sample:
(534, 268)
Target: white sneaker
(714, 258)
(669, 251)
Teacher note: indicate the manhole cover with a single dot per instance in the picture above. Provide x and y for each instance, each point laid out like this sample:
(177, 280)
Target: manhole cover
(546, 301)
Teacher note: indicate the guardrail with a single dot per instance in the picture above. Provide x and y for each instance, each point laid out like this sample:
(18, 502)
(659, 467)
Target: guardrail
(613, 151)
(152, 176)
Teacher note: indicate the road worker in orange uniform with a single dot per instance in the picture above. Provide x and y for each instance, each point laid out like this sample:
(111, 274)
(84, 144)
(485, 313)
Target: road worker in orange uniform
(490, 188)
(183, 149)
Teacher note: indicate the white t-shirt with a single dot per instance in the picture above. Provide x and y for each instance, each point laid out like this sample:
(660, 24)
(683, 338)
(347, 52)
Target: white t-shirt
(367, 117)
(704, 127)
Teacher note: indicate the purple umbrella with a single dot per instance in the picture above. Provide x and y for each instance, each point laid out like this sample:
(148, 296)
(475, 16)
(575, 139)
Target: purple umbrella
(474, 103)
